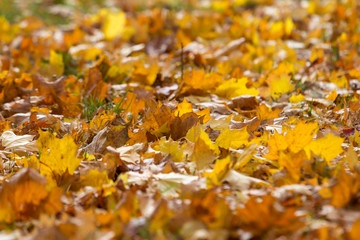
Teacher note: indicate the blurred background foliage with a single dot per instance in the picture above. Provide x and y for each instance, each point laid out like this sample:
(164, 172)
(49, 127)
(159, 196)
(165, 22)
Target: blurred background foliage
(62, 12)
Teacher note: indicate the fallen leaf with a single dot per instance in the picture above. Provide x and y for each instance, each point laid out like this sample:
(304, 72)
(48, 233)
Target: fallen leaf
(58, 156)
(182, 108)
(345, 188)
(233, 138)
(327, 147)
(170, 147)
(234, 88)
(25, 196)
(113, 24)
(18, 144)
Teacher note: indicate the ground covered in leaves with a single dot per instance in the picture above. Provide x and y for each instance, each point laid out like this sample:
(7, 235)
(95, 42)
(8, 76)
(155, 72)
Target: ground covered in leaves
(180, 119)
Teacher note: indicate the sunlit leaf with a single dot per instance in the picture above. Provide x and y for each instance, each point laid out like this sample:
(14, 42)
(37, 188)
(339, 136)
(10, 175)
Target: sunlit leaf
(234, 88)
(182, 108)
(114, 23)
(327, 147)
(170, 147)
(221, 167)
(233, 138)
(56, 61)
(58, 156)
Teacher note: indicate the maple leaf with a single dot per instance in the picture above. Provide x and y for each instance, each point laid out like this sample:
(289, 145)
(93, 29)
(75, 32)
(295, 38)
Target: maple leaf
(99, 122)
(233, 138)
(94, 84)
(327, 147)
(182, 108)
(157, 119)
(293, 163)
(131, 104)
(205, 151)
(234, 88)
(161, 215)
(295, 140)
(222, 166)
(301, 136)
(198, 80)
(263, 112)
(280, 85)
(58, 156)
(170, 147)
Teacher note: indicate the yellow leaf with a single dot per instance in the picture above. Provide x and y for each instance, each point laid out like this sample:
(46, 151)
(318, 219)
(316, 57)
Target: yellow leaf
(327, 147)
(234, 88)
(317, 53)
(280, 85)
(325, 192)
(145, 74)
(194, 133)
(205, 113)
(182, 108)
(301, 136)
(95, 178)
(332, 96)
(222, 166)
(113, 71)
(8, 31)
(203, 136)
(276, 30)
(100, 121)
(289, 26)
(161, 216)
(57, 155)
(114, 24)
(56, 61)
(277, 143)
(40, 110)
(294, 141)
(170, 147)
(296, 98)
(244, 157)
(352, 158)
(233, 138)
(203, 155)
(339, 79)
(263, 112)
(292, 162)
(343, 37)
(198, 80)
(204, 149)
(90, 53)
(220, 5)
